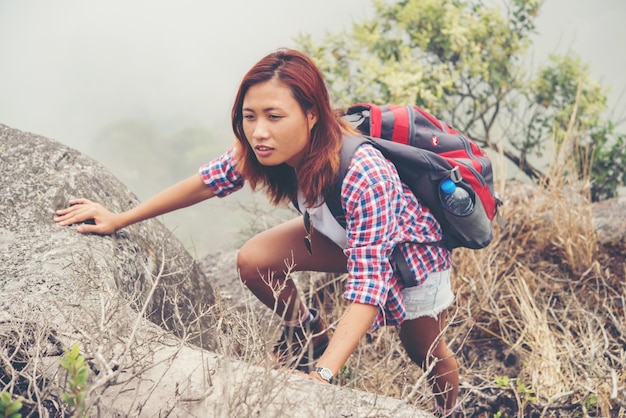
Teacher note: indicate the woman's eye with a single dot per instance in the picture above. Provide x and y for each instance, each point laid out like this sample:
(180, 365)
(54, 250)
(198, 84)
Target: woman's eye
(248, 117)
(274, 117)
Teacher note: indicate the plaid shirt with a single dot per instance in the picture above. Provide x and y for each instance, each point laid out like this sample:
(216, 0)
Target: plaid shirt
(381, 213)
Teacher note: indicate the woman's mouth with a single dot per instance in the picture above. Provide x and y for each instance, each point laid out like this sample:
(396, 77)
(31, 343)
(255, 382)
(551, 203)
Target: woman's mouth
(262, 151)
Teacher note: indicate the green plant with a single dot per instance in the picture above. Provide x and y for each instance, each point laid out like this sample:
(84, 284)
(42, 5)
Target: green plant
(347, 373)
(590, 405)
(9, 408)
(78, 374)
(523, 394)
(502, 381)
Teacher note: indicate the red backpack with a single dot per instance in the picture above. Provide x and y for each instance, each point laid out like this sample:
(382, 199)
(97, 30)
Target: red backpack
(425, 152)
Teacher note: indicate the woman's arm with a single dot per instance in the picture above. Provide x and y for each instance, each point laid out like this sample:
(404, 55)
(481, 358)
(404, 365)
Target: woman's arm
(185, 193)
(370, 197)
(350, 329)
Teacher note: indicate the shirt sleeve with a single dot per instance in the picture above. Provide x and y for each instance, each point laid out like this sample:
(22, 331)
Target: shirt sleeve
(221, 174)
(371, 199)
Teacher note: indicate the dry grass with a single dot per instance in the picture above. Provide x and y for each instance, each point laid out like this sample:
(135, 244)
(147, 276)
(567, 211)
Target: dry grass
(538, 324)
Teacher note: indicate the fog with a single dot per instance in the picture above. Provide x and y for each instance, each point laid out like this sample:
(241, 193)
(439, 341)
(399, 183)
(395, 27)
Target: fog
(69, 68)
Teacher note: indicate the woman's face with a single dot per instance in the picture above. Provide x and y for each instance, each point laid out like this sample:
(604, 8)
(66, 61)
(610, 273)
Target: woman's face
(275, 126)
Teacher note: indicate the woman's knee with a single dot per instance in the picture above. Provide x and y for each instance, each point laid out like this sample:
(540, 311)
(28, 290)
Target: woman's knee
(423, 340)
(250, 262)
(417, 353)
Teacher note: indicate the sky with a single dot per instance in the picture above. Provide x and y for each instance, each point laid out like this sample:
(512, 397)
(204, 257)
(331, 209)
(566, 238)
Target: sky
(68, 68)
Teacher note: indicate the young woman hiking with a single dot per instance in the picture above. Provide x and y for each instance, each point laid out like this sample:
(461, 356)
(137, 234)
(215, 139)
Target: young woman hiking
(288, 144)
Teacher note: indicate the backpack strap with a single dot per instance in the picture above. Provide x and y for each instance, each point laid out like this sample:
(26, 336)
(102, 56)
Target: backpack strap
(333, 201)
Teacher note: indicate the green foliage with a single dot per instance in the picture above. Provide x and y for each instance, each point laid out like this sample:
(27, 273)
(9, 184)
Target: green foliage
(590, 405)
(523, 394)
(346, 374)
(9, 408)
(570, 101)
(78, 375)
(464, 61)
(607, 162)
(564, 88)
(436, 54)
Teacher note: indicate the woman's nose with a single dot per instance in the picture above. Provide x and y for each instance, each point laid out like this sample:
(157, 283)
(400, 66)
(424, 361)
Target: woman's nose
(260, 130)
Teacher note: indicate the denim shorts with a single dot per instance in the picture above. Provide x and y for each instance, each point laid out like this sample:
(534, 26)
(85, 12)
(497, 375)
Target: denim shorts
(430, 298)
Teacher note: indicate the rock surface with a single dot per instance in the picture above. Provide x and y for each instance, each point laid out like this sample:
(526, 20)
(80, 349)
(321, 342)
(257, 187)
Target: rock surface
(610, 224)
(37, 256)
(59, 287)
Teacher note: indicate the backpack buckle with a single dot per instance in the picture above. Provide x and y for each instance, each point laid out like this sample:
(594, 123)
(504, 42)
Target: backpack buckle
(455, 175)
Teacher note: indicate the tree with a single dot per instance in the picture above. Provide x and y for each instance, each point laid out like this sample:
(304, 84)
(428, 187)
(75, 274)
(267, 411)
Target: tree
(568, 100)
(465, 62)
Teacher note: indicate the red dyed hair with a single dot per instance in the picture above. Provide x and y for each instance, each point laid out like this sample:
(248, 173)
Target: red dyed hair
(321, 160)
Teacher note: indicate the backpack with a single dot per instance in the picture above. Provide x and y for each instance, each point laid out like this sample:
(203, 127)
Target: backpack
(425, 151)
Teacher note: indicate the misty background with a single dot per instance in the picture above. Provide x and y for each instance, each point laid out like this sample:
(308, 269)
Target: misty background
(113, 78)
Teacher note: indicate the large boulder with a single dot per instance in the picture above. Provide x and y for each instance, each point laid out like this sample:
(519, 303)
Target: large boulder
(59, 288)
(144, 262)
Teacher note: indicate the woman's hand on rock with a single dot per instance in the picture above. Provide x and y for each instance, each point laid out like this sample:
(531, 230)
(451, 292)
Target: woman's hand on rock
(99, 220)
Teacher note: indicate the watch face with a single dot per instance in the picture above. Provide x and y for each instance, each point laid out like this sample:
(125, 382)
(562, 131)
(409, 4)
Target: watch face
(325, 373)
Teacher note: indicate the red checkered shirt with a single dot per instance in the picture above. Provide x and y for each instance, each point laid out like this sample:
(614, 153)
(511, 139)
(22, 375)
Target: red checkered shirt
(381, 212)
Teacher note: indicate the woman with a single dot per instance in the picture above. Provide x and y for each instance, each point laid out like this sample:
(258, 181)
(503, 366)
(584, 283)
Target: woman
(288, 143)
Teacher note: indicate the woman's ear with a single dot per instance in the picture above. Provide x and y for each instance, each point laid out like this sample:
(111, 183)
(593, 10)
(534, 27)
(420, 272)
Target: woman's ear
(312, 119)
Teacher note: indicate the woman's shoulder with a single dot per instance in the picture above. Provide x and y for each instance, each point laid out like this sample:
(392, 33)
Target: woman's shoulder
(369, 160)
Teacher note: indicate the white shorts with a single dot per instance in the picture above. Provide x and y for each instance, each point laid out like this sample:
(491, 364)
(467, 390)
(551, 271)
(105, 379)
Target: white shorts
(430, 298)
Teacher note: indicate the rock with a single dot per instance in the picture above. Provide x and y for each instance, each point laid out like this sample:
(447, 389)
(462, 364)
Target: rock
(192, 383)
(37, 256)
(610, 225)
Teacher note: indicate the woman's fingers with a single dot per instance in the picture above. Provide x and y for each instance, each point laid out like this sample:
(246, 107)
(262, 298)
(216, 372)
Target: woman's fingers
(83, 210)
(80, 201)
(95, 229)
(73, 214)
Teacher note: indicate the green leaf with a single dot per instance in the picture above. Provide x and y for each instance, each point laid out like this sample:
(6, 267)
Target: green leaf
(68, 399)
(4, 398)
(13, 408)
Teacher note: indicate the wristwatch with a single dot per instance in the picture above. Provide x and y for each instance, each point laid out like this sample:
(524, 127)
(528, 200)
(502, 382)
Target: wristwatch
(325, 373)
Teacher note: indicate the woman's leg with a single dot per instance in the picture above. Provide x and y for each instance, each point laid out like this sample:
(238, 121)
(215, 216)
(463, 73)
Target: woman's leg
(265, 259)
(423, 341)
(264, 262)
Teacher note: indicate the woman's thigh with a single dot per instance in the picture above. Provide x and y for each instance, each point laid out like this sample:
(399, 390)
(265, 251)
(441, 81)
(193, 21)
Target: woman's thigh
(281, 249)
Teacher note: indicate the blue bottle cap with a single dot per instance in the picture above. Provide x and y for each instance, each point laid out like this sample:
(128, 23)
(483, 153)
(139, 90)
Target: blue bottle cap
(447, 186)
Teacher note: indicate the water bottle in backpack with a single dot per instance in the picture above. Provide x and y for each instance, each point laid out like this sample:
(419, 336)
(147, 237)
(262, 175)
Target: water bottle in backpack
(455, 200)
